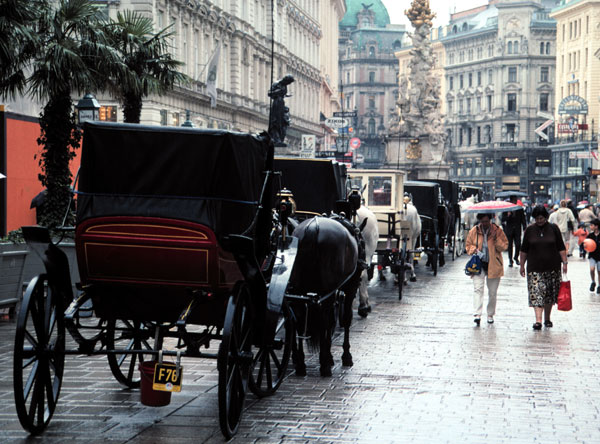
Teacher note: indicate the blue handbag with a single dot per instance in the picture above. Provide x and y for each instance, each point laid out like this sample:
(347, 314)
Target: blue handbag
(474, 266)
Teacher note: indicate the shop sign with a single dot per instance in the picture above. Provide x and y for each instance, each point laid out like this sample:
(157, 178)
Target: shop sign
(573, 105)
(583, 154)
(574, 170)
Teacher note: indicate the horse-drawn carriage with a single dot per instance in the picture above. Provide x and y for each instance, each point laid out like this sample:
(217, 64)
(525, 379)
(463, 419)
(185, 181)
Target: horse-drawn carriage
(177, 246)
(383, 192)
(428, 198)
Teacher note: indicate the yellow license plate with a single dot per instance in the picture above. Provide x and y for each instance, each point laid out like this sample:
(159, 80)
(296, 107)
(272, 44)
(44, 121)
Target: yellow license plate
(167, 378)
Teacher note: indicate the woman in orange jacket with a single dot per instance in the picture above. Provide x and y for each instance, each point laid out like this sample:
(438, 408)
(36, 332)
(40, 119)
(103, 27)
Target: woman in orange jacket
(488, 241)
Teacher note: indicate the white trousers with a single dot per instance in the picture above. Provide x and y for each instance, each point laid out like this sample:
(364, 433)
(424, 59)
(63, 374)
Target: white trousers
(492, 285)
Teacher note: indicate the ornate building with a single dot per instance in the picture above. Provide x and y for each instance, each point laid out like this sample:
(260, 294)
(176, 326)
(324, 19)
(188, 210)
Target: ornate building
(500, 68)
(576, 96)
(237, 34)
(368, 76)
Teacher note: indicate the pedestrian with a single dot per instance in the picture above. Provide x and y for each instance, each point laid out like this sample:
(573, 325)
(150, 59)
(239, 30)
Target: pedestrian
(581, 234)
(487, 240)
(594, 256)
(564, 219)
(543, 250)
(512, 221)
(586, 215)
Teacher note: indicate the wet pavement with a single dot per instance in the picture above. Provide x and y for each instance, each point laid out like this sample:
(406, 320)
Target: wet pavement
(423, 373)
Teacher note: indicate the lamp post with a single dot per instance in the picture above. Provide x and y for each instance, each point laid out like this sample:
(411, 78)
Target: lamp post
(88, 108)
(188, 121)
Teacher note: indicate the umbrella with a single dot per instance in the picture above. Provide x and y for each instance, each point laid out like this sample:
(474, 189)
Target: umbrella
(583, 202)
(493, 206)
(511, 193)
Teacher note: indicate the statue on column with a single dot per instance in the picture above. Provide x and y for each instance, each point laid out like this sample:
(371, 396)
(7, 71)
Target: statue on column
(279, 117)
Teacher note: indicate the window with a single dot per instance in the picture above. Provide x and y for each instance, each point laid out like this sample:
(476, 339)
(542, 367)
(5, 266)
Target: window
(470, 79)
(372, 77)
(516, 47)
(469, 136)
(371, 51)
(511, 102)
(490, 50)
(544, 74)
(510, 49)
(544, 101)
(371, 102)
(371, 126)
(542, 167)
(490, 76)
(460, 137)
(478, 78)
(460, 81)
(451, 82)
(347, 77)
(175, 119)
(468, 167)
(108, 113)
(510, 166)
(542, 46)
(489, 166)
(460, 106)
(488, 133)
(478, 104)
(489, 103)
(449, 106)
(547, 47)
(478, 136)
(512, 74)
(163, 117)
(477, 171)
(461, 56)
(469, 106)
(479, 53)
(470, 55)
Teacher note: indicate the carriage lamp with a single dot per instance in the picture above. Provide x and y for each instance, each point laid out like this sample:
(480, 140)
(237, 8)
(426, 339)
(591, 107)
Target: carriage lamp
(88, 109)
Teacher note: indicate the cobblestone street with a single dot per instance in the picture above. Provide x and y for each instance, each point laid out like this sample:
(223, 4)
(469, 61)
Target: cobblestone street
(423, 373)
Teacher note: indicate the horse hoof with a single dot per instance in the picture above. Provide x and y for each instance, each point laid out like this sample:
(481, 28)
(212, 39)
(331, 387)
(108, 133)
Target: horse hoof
(300, 371)
(363, 312)
(347, 361)
(369, 308)
(413, 279)
(326, 372)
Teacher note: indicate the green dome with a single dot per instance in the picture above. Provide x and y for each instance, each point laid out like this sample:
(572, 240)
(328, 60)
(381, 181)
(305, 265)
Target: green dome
(382, 17)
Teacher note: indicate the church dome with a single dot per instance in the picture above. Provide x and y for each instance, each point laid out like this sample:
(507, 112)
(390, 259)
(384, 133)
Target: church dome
(382, 17)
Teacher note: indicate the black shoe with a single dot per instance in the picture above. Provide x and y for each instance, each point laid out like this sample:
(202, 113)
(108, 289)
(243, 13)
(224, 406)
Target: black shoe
(592, 286)
(510, 264)
(517, 262)
(477, 321)
(598, 289)
(537, 326)
(548, 324)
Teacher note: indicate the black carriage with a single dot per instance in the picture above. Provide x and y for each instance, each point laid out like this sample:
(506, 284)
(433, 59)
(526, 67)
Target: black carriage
(466, 191)
(177, 246)
(427, 198)
(451, 226)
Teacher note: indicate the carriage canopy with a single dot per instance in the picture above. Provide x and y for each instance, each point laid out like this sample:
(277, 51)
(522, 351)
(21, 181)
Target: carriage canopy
(210, 177)
(426, 196)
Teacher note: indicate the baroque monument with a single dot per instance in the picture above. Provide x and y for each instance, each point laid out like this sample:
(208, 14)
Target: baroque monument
(417, 136)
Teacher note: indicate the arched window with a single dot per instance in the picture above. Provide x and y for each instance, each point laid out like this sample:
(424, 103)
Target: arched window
(509, 49)
(371, 51)
(465, 27)
(516, 47)
(547, 47)
(397, 45)
(454, 29)
(541, 47)
(371, 129)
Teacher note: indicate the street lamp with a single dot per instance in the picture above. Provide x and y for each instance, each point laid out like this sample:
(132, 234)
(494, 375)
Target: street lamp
(88, 108)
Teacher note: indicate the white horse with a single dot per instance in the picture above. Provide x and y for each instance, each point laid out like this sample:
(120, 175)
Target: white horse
(370, 235)
(411, 215)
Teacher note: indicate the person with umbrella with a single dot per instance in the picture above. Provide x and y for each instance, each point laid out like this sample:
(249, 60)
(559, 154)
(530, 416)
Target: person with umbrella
(512, 221)
(488, 241)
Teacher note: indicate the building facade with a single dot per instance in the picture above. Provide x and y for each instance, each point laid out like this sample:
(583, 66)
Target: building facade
(574, 152)
(368, 77)
(500, 68)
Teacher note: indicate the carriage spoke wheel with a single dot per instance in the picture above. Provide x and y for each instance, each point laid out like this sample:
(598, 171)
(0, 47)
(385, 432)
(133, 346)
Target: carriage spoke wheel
(270, 363)
(39, 356)
(459, 244)
(234, 359)
(124, 335)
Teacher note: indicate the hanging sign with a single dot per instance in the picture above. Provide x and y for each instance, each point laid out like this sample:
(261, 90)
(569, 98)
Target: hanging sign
(573, 105)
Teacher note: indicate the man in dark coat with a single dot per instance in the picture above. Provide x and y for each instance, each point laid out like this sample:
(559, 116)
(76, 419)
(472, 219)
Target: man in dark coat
(512, 222)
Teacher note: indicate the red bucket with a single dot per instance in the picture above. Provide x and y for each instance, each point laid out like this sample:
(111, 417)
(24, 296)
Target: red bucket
(151, 397)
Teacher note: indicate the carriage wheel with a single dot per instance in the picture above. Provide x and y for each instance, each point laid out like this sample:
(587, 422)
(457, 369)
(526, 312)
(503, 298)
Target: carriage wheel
(435, 255)
(234, 359)
(271, 362)
(127, 335)
(401, 271)
(39, 356)
(459, 243)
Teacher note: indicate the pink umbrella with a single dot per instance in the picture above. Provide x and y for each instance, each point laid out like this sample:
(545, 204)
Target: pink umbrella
(493, 206)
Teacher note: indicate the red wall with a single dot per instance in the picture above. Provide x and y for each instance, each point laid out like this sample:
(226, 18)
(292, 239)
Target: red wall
(22, 169)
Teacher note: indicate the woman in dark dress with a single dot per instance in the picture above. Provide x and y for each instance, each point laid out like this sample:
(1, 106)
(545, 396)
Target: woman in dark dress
(543, 250)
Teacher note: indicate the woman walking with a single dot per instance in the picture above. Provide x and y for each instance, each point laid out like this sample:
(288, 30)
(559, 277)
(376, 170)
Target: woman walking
(564, 219)
(543, 250)
(488, 241)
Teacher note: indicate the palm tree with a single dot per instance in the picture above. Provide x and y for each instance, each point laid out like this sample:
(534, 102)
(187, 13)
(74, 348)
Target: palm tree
(70, 59)
(18, 42)
(150, 66)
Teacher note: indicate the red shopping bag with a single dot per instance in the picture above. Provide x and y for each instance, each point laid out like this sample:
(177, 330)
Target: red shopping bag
(564, 302)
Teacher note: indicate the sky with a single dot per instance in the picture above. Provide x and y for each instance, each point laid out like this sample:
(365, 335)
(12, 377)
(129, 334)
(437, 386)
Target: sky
(442, 9)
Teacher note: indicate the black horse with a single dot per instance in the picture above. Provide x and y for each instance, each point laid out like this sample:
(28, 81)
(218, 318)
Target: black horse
(325, 277)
